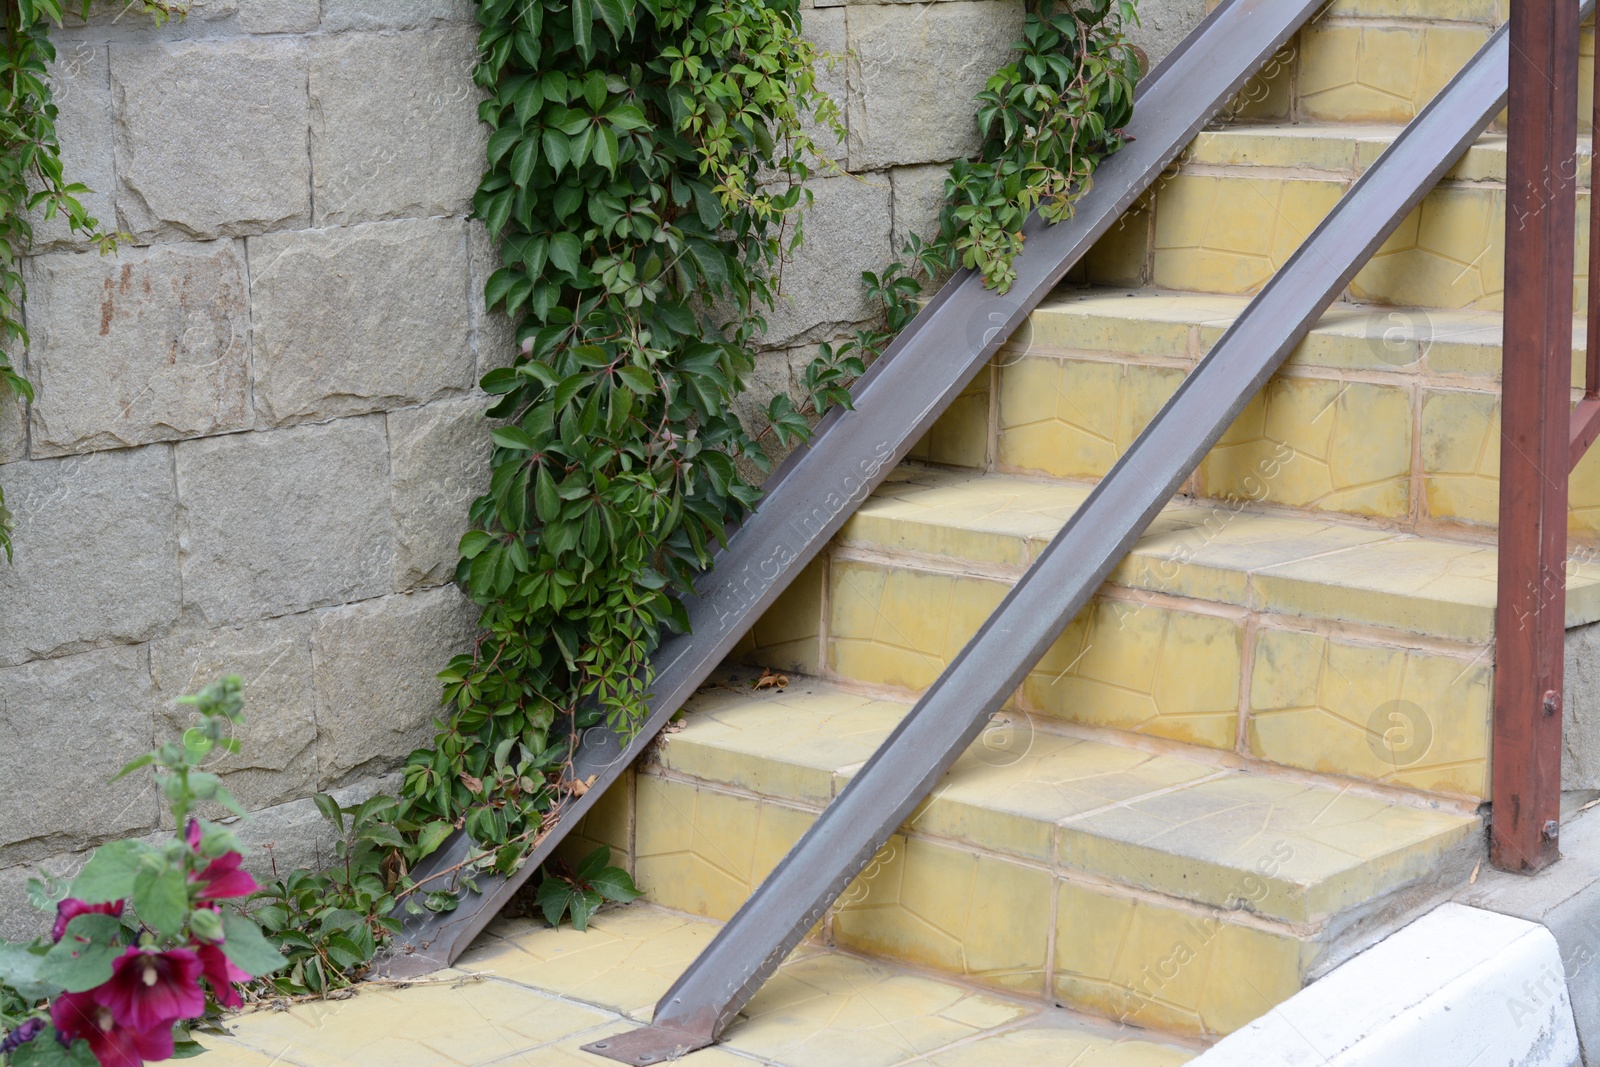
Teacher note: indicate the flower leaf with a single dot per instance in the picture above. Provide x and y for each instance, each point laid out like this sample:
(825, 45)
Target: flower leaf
(247, 948)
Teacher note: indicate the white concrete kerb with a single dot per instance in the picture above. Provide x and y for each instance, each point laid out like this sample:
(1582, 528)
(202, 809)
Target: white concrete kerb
(1459, 987)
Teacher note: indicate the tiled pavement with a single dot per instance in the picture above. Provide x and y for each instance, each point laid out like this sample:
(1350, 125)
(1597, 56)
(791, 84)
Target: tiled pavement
(529, 996)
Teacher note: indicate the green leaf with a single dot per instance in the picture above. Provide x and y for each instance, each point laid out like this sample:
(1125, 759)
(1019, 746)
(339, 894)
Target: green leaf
(161, 898)
(45, 1050)
(431, 837)
(20, 969)
(81, 960)
(614, 883)
(546, 501)
(564, 251)
(513, 437)
(637, 379)
(110, 872)
(247, 948)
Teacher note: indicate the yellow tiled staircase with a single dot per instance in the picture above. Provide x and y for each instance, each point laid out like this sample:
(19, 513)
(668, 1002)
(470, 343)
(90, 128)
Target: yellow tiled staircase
(1263, 746)
(1267, 741)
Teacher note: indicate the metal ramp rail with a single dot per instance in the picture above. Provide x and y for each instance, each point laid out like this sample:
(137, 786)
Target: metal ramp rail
(813, 493)
(914, 757)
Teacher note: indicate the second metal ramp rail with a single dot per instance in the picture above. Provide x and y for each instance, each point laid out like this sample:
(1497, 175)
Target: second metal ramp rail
(1066, 575)
(812, 494)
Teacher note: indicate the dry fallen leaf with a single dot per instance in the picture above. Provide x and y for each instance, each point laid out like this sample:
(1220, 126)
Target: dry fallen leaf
(772, 680)
(577, 788)
(474, 785)
(1474, 879)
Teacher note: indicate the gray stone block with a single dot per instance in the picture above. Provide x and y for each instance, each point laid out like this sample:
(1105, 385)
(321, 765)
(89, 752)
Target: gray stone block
(394, 125)
(96, 552)
(360, 319)
(494, 335)
(918, 200)
(1163, 24)
(825, 30)
(82, 93)
(278, 522)
(393, 14)
(846, 232)
(204, 18)
(376, 667)
(1580, 730)
(18, 919)
(66, 727)
(211, 138)
(288, 837)
(277, 758)
(914, 71)
(252, 16)
(13, 428)
(149, 345)
(439, 464)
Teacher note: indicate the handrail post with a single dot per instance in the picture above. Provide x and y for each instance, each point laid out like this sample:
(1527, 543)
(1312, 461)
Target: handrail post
(1530, 616)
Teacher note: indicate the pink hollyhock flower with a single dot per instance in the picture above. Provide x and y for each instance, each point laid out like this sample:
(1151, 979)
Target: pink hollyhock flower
(151, 990)
(72, 907)
(221, 972)
(223, 878)
(83, 1015)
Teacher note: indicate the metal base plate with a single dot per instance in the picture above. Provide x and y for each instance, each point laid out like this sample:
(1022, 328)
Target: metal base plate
(649, 1044)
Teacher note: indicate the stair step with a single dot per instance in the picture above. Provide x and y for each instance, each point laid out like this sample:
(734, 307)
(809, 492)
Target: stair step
(1385, 413)
(526, 995)
(1242, 199)
(1048, 864)
(1330, 647)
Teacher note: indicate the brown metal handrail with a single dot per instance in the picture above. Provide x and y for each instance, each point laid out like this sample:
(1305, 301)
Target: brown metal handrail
(1540, 441)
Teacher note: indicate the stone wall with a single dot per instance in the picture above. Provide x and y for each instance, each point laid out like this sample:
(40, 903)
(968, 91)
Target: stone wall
(257, 431)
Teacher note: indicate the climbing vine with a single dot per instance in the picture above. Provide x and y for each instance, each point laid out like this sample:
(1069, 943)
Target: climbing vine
(645, 169)
(32, 183)
(646, 163)
(1048, 118)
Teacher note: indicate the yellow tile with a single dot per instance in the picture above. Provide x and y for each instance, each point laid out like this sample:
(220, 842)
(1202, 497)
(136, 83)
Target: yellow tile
(703, 851)
(1011, 799)
(1075, 418)
(1318, 444)
(1227, 234)
(828, 1010)
(1293, 852)
(1135, 322)
(1350, 72)
(1448, 253)
(1461, 464)
(788, 636)
(569, 1052)
(960, 438)
(625, 961)
(788, 744)
(609, 823)
(899, 627)
(1391, 714)
(222, 1052)
(1268, 93)
(977, 916)
(1055, 1046)
(1159, 967)
(1122, 256)
(1144, 668)
(472, 1022)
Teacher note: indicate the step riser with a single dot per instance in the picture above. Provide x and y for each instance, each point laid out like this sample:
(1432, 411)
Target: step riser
(1229, 229)
(1028, 929)
(1378, 62)
(1386, 414)
(1236, 678)
(1034, 928)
